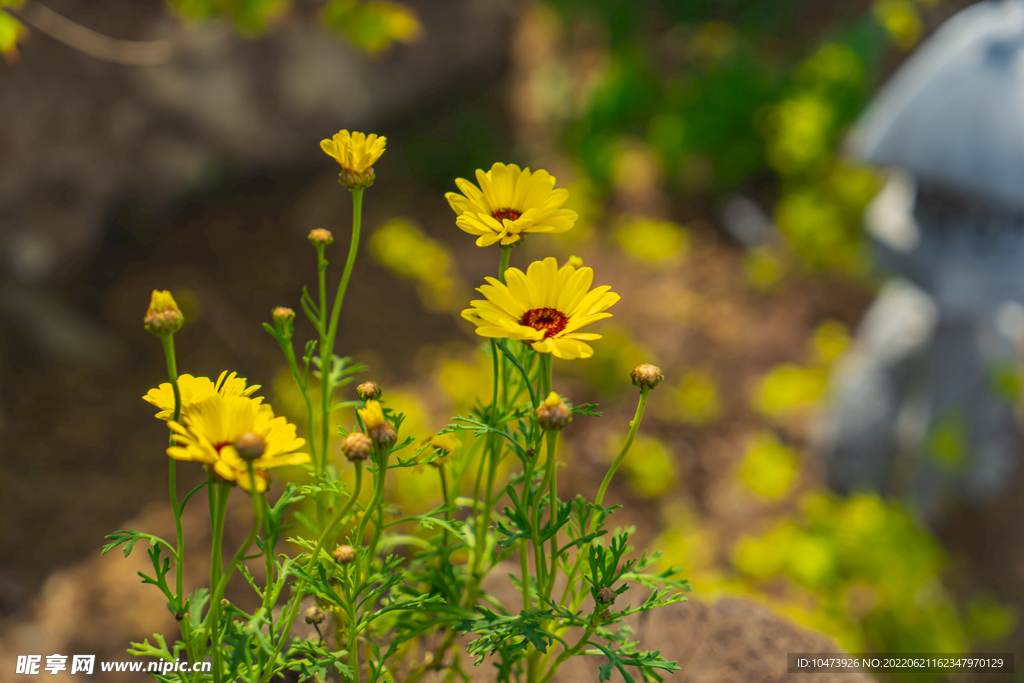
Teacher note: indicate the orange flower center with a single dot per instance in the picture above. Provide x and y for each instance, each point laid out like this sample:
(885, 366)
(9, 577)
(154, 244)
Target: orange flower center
(550, 320)
(510, 214)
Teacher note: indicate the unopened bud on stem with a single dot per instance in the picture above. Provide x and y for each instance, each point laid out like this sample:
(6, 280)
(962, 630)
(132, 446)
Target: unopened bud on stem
(163, 315)
(356, 179)
(283, 315)
(368, 391)
(249, 446)
(357, 446)
(320, 237)
(314, 615)
(646, 376)
(554, 413)
(344, 554)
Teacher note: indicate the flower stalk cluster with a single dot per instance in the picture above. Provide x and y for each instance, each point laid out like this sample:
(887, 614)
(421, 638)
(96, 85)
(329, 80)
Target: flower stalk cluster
(376, 585)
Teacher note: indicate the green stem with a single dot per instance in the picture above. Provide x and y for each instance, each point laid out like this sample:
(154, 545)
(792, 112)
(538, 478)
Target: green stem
(552, 477)
(544, 577)
(327, 349)
(570, 591)
(257, 508)
(351, 600)
(506, 253)
(447, 515)
(489, 459)
(172, 475)
(293, 365)
(325, 373)
(338, 516)
(566, 654)
(524, 568)
(289, 619)
(269, 546)
(375, 500)
(382, 466)
(633, 426)
(172, 373)
(216, 567)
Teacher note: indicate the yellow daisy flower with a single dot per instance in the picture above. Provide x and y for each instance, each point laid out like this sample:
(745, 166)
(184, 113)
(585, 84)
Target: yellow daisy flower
(195, 389)
(356, 152)
(508, 203)
(217, 427)
(543, 307)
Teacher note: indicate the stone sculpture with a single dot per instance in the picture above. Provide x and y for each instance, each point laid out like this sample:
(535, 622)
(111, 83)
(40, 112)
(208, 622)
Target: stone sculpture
(923, 405)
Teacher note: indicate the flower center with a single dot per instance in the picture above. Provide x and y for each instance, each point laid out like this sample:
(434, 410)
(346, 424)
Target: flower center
(550, 320)
(510, 214)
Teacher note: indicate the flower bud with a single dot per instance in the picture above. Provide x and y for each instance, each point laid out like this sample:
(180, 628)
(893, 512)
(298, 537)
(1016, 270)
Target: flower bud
(283, 315)
(314, 615)
(249, 446)
(357, 446)
(344, 554)
(377, 428)
(384, 436)
(163, 316)
(368, 391)
(554, 413)
(320, 237)
(606, 595)
(356, 179)
(646, 376)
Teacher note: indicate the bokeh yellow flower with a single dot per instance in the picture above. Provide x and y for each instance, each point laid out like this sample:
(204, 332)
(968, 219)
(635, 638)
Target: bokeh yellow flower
(195, 389)
(508, 203)
(209, 431)
(356, 152)
(544, 307)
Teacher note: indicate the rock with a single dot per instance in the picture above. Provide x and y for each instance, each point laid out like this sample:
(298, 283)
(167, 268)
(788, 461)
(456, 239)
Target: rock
(726, 641)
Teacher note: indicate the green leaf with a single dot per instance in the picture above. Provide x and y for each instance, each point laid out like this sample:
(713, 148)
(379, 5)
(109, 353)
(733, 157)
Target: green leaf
(129, 537)
(586, 409)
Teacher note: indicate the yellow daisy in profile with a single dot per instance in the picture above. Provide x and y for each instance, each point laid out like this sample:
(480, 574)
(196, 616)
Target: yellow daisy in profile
(356, 152)
(195, 389)
(226, 433)
(543, 307)
(508, 203)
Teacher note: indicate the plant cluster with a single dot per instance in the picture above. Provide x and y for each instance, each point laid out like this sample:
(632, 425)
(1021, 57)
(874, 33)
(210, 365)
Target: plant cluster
(395, 597)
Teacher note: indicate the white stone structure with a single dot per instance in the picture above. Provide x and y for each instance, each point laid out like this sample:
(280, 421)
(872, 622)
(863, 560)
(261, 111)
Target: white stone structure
(950, 225)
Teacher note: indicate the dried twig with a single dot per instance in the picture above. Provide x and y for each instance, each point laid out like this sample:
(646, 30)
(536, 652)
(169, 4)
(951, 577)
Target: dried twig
(87, 41)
